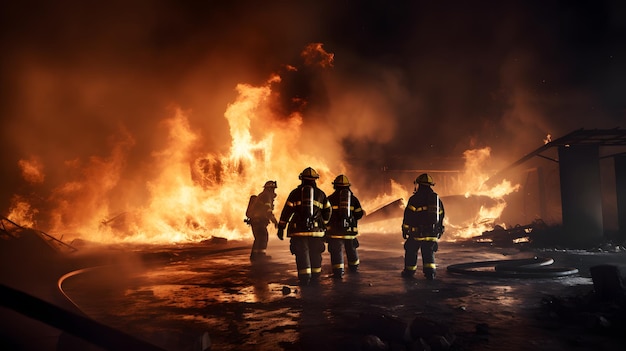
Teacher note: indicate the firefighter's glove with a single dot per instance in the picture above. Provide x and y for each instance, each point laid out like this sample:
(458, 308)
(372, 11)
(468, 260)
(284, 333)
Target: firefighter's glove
(439, 230)
(281, 232)
(405, 233)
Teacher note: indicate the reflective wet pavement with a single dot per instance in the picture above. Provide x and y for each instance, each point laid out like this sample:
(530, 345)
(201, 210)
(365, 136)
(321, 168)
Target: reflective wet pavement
(177, 294)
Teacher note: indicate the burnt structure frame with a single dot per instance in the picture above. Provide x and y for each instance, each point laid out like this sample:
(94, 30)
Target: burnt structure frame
(578, 159)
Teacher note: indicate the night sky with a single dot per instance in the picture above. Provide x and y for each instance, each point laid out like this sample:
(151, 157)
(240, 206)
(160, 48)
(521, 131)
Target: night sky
(441, 77)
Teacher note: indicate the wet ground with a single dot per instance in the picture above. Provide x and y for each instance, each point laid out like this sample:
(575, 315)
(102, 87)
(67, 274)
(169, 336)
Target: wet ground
(171, 296)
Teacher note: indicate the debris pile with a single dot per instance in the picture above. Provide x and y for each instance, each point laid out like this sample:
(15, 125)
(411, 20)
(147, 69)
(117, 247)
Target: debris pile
(601, 310)
(518, 234)
(387, 332)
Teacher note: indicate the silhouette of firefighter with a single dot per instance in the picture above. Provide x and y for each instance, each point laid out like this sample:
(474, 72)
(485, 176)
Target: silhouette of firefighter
(305, 215)
(422, 227)
(342, 230)
(260, 213)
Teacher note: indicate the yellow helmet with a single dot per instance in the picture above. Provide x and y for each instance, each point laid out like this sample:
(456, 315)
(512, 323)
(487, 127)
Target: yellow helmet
(309, 174)
(341, 180)
(270, 184)
(424, 179)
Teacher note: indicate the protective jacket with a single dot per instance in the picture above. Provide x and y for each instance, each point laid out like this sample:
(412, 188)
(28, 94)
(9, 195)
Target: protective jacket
(346, 211)
(423, 215)
(306, 212)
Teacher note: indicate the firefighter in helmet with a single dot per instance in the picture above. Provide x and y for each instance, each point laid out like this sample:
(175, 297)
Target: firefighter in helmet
(305, 215)
(342, 228)
(422, 227)
(259, 214)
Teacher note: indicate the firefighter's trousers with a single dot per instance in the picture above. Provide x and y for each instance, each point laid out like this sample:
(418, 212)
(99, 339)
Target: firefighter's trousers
(428, 246)
(308, 251)
(259, 246)
(336, 248)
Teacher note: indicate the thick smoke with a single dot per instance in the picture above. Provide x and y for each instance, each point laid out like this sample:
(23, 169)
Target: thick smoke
(86, 86)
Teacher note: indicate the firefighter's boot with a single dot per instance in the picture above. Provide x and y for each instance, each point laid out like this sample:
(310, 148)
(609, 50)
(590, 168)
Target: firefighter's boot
(429, 274)
(315, 277)
(407, 274)
(304, 279)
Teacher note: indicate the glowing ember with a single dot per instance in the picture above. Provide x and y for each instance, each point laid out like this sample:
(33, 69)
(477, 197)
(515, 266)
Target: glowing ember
(547, 139)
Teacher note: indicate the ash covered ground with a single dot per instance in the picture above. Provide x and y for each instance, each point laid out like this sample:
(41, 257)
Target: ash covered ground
(170, 296)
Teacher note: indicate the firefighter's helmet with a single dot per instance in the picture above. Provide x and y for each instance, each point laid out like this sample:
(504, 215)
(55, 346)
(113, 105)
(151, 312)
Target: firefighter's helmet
(309, 174)
(341, 181)
(270, 184)
(424, 179)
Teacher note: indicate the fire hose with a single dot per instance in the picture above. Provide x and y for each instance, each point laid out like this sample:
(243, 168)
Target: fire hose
(536, 267)
(83, 327)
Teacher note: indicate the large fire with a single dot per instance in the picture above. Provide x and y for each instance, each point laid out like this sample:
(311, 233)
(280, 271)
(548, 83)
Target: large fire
(191, 197)
(186, 194)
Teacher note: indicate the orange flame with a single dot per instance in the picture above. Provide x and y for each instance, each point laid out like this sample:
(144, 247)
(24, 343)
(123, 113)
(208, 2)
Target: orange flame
(189, 197)
(548, 139)
(470, 182)
(397, 192)
(32, 170)
(473, 182)
(22, 213)
(315, 55)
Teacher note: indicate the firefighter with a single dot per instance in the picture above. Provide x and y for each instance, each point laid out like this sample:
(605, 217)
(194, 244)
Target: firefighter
(259, 214)
(422, 227)
(305, 215)
(342, 230)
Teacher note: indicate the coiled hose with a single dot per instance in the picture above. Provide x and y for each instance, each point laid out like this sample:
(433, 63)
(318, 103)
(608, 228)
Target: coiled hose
(536, 267)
